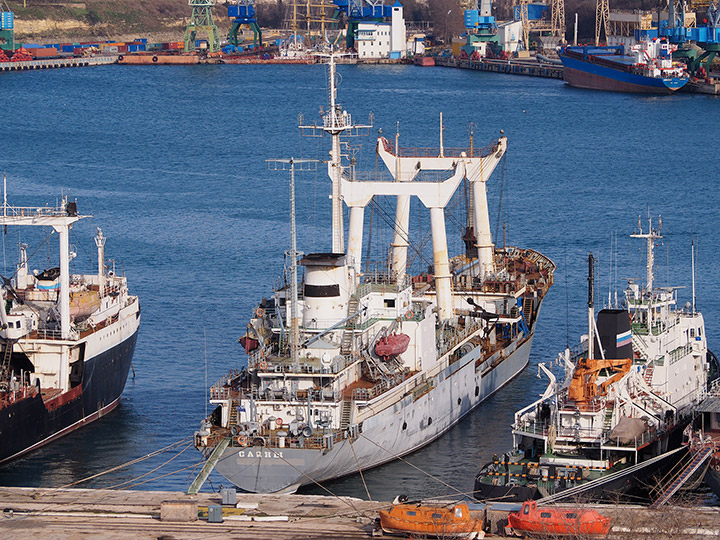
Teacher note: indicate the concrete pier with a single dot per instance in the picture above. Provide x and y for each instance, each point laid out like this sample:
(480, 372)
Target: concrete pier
(65, 514)
(52, 63)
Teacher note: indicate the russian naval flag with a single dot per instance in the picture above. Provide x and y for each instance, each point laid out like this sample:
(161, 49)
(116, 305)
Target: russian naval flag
(624, 339)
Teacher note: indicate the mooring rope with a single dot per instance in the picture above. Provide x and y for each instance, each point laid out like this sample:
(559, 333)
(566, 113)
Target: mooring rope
(122, 466)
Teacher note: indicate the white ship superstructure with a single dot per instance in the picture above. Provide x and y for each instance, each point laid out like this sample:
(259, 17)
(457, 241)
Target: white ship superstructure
(362, 368)
(67, 339)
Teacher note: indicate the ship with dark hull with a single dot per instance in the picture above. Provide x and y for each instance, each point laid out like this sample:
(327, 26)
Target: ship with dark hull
(349, 369)
(616, 421)
(67, 339)
(647, 68)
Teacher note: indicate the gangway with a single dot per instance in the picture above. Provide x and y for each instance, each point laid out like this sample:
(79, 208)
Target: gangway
(208, 467)
(698, 458)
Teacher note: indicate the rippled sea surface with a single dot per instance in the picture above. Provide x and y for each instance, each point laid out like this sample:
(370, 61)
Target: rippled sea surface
(170, 160)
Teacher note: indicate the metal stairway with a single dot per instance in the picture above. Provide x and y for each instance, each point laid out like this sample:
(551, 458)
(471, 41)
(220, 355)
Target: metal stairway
(696, 462)
(608, 416)
(208, 467)
(649, 374)
(233, 420)
(346, 414)
(347, 339)
(7, 356)
(528, 309)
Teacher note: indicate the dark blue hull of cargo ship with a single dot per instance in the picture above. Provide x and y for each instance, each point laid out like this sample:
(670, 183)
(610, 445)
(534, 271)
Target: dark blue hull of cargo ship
(34, 421)
(584, 74)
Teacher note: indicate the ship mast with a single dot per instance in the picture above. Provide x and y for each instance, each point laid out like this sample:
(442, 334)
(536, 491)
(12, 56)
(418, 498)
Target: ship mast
(100, 243)
(337, 123)
(303, 165)
(60, 219)
(591, 307)
(650, 237)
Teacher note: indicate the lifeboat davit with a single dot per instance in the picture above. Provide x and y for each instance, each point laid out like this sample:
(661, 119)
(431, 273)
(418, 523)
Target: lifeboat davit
(558, 521)
(390, 346)
(437, 521)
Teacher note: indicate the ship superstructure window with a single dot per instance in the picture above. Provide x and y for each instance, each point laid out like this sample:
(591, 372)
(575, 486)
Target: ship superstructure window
(545, 514)
(692, 332)
(411, 513)
(321, 291)
(389, 302)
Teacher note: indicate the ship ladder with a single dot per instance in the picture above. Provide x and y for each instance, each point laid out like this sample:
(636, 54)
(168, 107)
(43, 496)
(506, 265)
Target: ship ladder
(208, 467)
(696, 462)
(233, 421)
(347, 339)
(7, 356)
(346, 414)
(608, 416)
(528, 309)
(649, 374)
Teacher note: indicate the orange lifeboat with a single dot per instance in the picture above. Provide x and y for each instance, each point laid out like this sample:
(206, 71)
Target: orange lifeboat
(437, 521)
(390, 346)
(558, 521)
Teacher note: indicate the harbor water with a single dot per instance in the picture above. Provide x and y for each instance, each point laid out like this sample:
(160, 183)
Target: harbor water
(171, 163)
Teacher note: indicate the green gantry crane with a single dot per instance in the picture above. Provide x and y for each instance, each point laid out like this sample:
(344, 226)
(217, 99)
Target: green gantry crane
(202, 20)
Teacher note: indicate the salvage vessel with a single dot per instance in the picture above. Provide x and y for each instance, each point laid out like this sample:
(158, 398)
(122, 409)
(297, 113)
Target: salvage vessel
(617, 419)
(67, 339)
(646, 68)
(363, 367)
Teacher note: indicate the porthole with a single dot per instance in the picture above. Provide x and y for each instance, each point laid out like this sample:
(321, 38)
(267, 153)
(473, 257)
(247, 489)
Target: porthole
(477, 391)
(429, 420)
(404, 426)
(459, 401)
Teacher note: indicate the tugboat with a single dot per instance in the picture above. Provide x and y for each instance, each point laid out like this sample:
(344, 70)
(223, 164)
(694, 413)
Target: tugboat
(618, 417)
(67, 339)
(363, 367)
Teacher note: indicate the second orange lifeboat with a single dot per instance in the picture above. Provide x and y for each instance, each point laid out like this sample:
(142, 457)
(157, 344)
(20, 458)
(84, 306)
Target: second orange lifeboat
(558, 521)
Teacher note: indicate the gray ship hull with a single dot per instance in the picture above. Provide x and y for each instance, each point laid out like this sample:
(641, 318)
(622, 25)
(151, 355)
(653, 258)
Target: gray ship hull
(399, 429)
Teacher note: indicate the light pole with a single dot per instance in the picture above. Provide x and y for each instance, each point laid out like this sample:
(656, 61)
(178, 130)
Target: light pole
(447, 33)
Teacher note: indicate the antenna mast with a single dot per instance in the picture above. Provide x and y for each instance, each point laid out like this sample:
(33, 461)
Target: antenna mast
(692, 248)
(591, 306)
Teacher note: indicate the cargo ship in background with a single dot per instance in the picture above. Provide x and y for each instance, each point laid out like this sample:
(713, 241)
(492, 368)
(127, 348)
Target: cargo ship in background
(360, 368)
(647, 68)
(617, 420)
(67, 339)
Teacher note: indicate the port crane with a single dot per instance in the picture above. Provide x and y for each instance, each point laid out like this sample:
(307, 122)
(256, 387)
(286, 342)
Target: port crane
(707, 36)
(202, 20)
(357, 11)
(243, 14)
